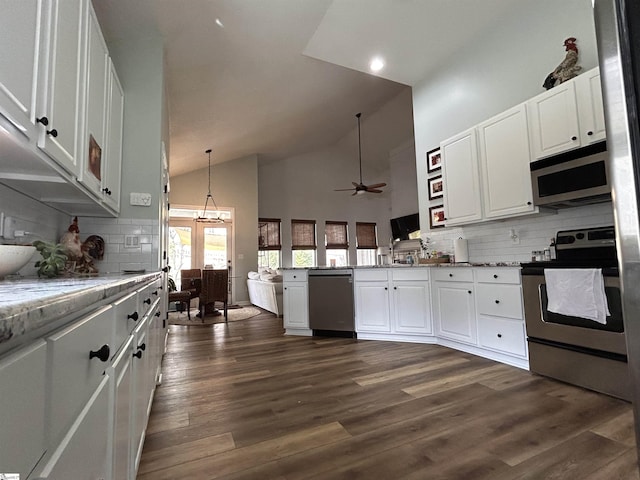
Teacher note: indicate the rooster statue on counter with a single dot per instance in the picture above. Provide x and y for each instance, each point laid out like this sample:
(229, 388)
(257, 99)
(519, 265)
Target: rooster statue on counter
(83, 253)
(567, 69)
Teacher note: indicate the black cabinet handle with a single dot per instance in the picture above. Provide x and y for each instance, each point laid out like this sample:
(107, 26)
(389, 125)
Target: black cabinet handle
(103, 354)
(589, 133)
(395, 288)
(386, 288)
(469, 292)
(142, 346)
(133, 316)
(451, 274)
(528, 203)
(166, 269)
(155, 292)
(53, 132)
(161, 287)
(574, 138)
(495, 276)
(157, 314)
(138, 354)
(499, 335)
(497, 301)
(147, 301)
(43, 120)
(107, 191)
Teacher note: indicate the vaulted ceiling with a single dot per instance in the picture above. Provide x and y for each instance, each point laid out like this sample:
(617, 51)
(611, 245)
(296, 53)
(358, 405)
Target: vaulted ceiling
(282, 77)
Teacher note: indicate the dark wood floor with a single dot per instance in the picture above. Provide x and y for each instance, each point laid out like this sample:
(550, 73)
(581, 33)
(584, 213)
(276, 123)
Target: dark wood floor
(242, 401)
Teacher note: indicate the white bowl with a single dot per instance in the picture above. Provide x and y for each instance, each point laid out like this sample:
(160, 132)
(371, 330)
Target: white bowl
(14, 257)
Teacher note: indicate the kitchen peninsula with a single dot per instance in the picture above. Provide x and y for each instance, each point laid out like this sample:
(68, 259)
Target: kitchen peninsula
(476, 308)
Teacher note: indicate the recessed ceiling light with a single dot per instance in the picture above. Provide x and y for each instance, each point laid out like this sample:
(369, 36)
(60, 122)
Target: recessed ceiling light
(219, 23)
(376, 64)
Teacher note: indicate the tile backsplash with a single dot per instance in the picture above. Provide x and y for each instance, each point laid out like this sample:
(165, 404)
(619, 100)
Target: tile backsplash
(130, 243)
(492, 242)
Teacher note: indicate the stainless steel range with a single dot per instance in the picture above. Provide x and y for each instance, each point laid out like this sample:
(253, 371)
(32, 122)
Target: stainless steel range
(573, 349)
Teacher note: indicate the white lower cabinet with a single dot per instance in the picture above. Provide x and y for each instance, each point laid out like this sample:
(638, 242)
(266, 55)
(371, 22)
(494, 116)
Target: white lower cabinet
(82, 453)
(23, 403)
(295, 302)
(80, 397)
(395, 301)
(454, 304)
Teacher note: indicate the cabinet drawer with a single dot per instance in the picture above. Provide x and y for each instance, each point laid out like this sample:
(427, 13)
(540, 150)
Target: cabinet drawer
(147, 296)
(498, 275)
(126, 316)
(74, 375)
(456, 274)
(22, 376)
(499, 300)
(370, 275)
(502, 334)
(416, 273)
(294, 276)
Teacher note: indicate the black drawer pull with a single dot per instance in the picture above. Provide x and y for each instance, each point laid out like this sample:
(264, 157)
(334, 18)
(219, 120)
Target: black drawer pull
(107, 191)
(497, 301)
(155, 292)
(103, 354)
(495, 276)
(574, 138)
(589, 133)
(43, 120)
(133, 316)
(157, 314)
(451, 274)
(53, 132)
(142, 346)
(138, 354)
(499, 335)
(147, 301)
(469, 292)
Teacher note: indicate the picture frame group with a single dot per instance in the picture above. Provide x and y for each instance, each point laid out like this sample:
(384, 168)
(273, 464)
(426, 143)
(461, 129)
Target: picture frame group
(436, 187)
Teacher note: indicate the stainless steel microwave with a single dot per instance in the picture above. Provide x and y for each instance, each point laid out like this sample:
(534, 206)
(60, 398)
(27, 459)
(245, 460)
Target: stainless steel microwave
(577, 178)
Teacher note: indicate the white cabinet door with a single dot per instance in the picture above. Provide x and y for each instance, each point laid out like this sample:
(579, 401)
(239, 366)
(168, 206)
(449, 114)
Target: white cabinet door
(142, 390)
(504, 159)
(115, 121)
(553, 121)
(295, 305)
(21, 32)
(93, 143)
(82, 453)
(460, 170)
(22, 435)
(121, 375)
(454, 311)
(60, 139)
(412, 307)
(590, 107)
(372, 307)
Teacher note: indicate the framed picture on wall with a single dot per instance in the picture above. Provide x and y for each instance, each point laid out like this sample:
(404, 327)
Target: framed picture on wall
(434, 161)
(436, 188)
(436, 216)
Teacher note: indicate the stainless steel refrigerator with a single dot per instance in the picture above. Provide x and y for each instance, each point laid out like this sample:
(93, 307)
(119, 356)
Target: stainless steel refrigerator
(618, 35)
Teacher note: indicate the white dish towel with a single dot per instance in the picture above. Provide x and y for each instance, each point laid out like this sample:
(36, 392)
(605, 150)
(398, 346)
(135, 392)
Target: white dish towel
(578, 292)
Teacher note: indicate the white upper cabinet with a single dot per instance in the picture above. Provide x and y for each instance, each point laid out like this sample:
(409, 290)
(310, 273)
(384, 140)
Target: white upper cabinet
(112, 171)
(64, 85)
(567, 116)
(93, 144)
(460, 170)
(504, 161)
(21, 33)
(590, 107)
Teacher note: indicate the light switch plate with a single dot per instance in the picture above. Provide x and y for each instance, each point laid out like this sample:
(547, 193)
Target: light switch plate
(142, 199)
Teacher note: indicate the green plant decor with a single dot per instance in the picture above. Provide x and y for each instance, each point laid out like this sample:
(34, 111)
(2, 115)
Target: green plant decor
(54, 259)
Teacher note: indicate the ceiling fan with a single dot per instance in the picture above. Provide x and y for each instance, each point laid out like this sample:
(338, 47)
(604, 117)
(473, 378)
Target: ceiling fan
(361, 187)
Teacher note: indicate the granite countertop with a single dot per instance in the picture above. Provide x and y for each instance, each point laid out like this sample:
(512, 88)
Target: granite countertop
(29, 304)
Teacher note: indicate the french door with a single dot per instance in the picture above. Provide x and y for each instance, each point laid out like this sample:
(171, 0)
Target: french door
(198, 245)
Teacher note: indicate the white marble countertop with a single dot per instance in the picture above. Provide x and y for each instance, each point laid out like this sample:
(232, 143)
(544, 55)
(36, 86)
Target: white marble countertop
(415, 265)
(29, 304)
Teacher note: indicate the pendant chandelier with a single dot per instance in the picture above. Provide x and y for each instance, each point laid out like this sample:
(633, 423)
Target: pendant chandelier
(203, 217)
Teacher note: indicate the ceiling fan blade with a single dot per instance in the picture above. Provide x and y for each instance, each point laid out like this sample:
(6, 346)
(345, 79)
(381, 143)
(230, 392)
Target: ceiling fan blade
(355, 184)
(377, 185)
(354, 193)
(373, 190)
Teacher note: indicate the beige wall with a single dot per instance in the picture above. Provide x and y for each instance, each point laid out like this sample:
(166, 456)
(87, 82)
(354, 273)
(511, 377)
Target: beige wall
(234, 184)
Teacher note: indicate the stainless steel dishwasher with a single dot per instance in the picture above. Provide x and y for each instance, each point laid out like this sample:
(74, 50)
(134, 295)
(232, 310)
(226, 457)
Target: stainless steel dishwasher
(331, 302)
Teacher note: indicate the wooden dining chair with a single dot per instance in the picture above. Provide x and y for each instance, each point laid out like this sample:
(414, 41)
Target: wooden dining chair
(214, 289)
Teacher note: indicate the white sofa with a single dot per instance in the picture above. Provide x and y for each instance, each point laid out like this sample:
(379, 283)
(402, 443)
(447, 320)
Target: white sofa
(266, 295)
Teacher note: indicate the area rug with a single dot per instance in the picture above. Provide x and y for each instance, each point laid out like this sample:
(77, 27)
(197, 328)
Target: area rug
(234, 314)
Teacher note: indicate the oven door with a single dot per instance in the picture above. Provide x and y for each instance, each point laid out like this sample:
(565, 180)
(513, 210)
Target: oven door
(574, 331)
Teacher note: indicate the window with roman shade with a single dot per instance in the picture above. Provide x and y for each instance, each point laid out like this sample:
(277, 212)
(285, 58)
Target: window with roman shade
(336, 235)
(366, 235)
(269, 234)
(303, 234)
(366, 243)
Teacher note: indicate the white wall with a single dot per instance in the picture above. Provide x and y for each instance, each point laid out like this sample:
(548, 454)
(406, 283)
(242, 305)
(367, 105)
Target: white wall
(234, 185)
(501, 70)
(302, 186)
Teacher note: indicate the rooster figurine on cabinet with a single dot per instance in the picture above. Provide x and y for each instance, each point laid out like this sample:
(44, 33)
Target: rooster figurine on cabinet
(567, 69)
